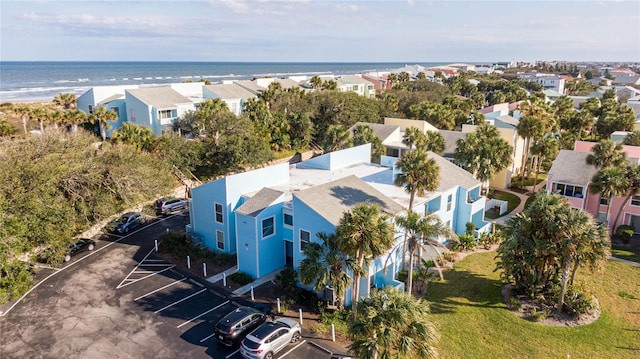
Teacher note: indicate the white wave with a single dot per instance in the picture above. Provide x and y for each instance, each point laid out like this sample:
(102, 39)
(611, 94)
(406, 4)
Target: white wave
(137, 78)
(148, 78)
(111, 80)
(168, 77)
(282, 74)
(125, 79)
(158, 77)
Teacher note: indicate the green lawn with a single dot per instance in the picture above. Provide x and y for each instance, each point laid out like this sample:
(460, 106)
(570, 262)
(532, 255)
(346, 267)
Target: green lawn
(473, 322)
(512, 199)
(626, 253)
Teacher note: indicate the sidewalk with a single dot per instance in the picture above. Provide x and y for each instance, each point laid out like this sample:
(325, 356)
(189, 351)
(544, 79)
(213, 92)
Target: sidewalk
(523, 199)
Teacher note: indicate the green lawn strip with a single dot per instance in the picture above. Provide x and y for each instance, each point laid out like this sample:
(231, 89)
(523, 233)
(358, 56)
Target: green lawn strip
(626, 253)
(473, 321)
(512, 200)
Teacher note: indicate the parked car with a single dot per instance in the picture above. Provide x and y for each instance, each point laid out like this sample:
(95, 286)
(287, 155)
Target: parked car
(234, 326)
(125, 223)
(166, 206)
(270, 338)
(81, 245)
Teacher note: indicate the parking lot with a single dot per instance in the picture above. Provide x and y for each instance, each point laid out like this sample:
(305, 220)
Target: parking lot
(121, 300)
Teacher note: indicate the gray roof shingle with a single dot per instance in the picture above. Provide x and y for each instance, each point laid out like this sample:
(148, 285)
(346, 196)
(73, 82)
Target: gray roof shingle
(261, 200)
(451, 175)
(332, 199)
(451, 141)
(571, 167)
(230, 91)
(381, 131)
(160, 97)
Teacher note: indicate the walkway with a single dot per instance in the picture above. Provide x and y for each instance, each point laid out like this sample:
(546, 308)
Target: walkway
(626, 261)
(523, 199)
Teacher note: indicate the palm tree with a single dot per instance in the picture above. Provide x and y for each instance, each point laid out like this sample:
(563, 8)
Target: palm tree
(65, 100)
(392, 79)
(139, 136)
(484, 153)
(420, 230)
(39, 114)
(609, 182)
(632, 174)
(543, 148)
(606, 153)
(24, 113)
(74, 118)
(393, 324)
(338, 137)
(101, 115)
(418, 174)
(363, 233)
(325, 265)
(404, 76)
(528, 127)
(316, 82)
(580, 238)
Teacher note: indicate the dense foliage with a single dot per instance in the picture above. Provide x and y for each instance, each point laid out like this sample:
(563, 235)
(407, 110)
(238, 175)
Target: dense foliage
(546, 244)
(56, 185)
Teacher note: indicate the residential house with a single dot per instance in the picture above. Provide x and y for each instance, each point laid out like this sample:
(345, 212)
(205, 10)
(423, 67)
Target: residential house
(379, 82)
(112, 97)
(357, 84)
(570, 176)
(506, 126)
(156, 107)
(548, 81)
(627, 80)
(267, 216)
(234, 95)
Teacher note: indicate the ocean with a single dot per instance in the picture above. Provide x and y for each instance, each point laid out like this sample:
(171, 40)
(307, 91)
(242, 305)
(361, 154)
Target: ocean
(41, 81)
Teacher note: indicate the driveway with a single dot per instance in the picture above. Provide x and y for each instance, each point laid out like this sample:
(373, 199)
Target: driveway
(121, 301)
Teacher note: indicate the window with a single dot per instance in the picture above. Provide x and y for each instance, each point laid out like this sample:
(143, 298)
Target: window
(449, 199)
(635, 200)
(132, 115)
(219, 217)
(604, 201)
(164, 114)
(569, 190)
(90, 109)
(288, 220)
(305, 237)
(267, 227)
(220, 240)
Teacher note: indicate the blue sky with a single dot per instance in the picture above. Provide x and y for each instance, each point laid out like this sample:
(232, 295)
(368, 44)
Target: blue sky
(320, 31)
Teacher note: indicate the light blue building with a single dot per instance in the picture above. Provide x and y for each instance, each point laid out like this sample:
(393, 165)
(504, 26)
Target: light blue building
(267, 216)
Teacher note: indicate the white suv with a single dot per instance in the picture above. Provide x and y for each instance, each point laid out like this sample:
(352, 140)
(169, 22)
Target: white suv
(166, 206)
(270, 338)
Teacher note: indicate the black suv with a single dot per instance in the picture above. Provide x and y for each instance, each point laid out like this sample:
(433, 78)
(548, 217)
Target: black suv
(234, 326)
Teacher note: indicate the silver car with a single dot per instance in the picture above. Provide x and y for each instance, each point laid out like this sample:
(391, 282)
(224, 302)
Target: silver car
(270, 338)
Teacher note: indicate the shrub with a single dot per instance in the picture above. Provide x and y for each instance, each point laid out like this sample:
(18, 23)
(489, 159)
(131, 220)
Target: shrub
(464, 242)
(241, 278)
(624, 233)
(537, 315)
(488, 239)
(470, 228)
(287, 279)
(308, 297)
(339, 318)
(577, 303)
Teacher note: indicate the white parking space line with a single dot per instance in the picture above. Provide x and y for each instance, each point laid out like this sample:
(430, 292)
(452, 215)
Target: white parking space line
(206, 338)
(155, 260)
(131, 281)
(292, 349)
(126, 281)
(181, 300)
(153, 264)
(207, 312)
(159, 289)
(232, 354)
(97, 250)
